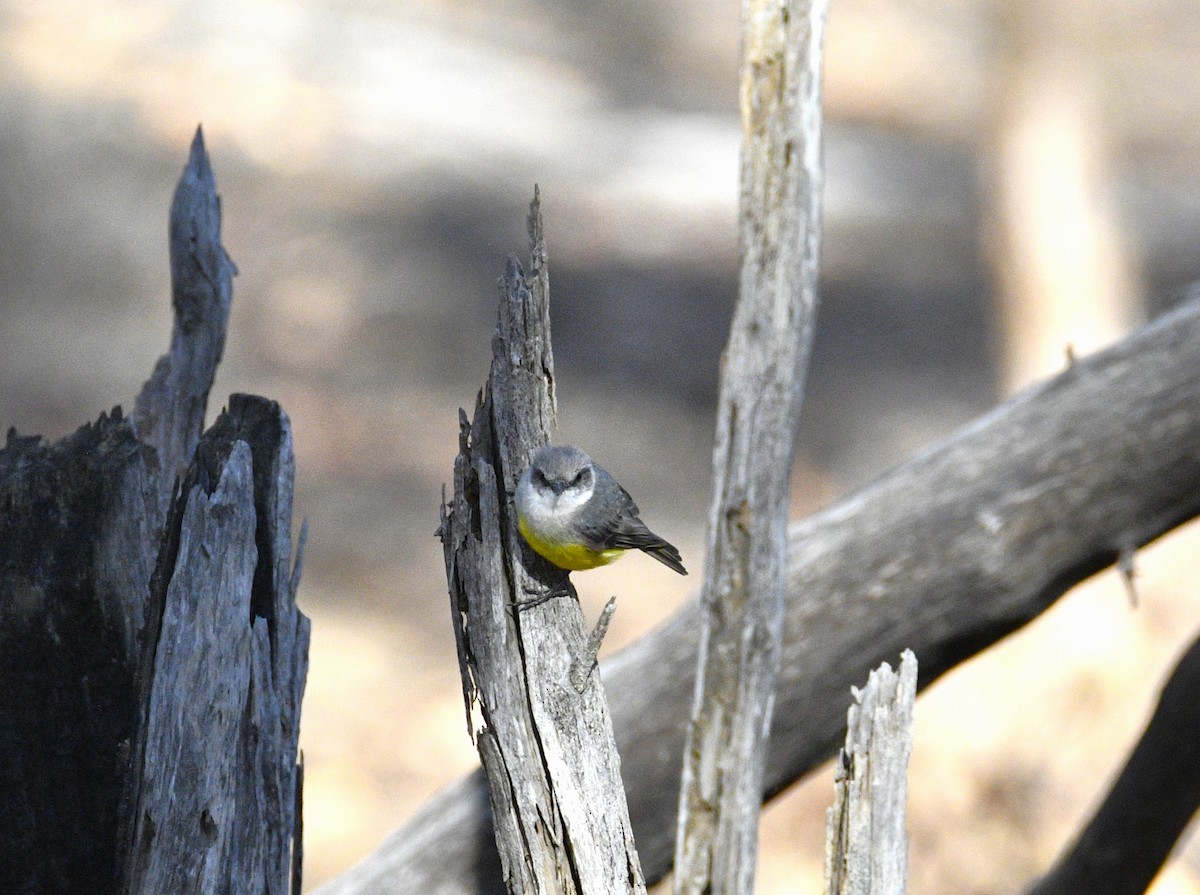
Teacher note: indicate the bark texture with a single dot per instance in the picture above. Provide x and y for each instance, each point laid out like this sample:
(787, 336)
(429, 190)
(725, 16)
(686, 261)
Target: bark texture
(758, 412)
(545, 740)
(79, 532)
(152, 657)
(214, 796)
(866, 842)
(944, 554)
(169, 415)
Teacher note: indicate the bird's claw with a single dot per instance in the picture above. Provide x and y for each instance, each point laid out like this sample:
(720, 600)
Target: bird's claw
(521, 605)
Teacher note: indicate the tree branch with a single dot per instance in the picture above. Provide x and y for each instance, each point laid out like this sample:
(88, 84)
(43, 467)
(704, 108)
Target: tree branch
(1124, 846)
(169, 415)
(944, 554)
(758, 412)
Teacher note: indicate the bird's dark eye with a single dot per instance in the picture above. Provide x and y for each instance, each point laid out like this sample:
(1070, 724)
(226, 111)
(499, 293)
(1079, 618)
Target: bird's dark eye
(580, 477)
(539, 476)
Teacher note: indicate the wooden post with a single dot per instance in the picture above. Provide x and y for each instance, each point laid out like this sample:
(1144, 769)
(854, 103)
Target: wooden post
(866, 844)
(758, 412)
(214, 795)
(542, 730)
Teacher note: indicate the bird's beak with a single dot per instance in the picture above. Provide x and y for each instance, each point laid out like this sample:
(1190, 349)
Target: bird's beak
(558, 488)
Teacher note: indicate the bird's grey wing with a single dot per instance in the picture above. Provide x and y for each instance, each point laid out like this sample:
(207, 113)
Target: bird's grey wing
(616, 525)
(611, 512)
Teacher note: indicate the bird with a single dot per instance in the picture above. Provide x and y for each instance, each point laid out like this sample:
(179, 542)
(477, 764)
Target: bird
(572, 512)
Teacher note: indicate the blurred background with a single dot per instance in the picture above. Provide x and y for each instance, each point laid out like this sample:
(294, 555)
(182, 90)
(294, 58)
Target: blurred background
(1004, 179)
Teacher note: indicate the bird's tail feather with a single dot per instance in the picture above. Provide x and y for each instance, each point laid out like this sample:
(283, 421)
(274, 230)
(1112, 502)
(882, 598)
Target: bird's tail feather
(667, 555)
(635, 535)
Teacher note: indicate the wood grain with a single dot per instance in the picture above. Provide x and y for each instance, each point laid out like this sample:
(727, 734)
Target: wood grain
(545, 742)
(758, 413)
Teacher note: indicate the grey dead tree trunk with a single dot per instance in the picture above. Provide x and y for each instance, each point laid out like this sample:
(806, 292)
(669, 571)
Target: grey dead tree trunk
(546, 744)
(758, 412)
(152, 658)
(866, 843)
(946, 553)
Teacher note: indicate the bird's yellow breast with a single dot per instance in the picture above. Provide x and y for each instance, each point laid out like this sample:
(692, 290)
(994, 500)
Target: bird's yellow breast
(574, 557)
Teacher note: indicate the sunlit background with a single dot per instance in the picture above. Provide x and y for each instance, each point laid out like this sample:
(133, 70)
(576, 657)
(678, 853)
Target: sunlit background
(1004, 179)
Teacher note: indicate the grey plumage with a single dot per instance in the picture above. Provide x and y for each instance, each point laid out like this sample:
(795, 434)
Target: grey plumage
(619, 524)
(570, 498)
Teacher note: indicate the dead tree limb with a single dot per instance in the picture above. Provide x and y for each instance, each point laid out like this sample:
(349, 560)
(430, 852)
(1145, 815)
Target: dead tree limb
(1155, 796)
(945, 554)
(169, 415)
(152, 658)
(546, 743)
(758, 413)
(79, 533)
(866, 843)
(214, 773)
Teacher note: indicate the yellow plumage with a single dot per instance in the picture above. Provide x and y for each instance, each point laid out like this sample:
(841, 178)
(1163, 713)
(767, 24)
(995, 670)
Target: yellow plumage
(574, 557)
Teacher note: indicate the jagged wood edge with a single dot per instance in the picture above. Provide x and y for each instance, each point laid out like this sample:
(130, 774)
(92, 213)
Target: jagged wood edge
(866, 843)
(547, 747)
(170, 410)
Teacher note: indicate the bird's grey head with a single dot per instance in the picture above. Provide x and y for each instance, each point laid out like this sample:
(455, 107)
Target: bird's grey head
(560, 479)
